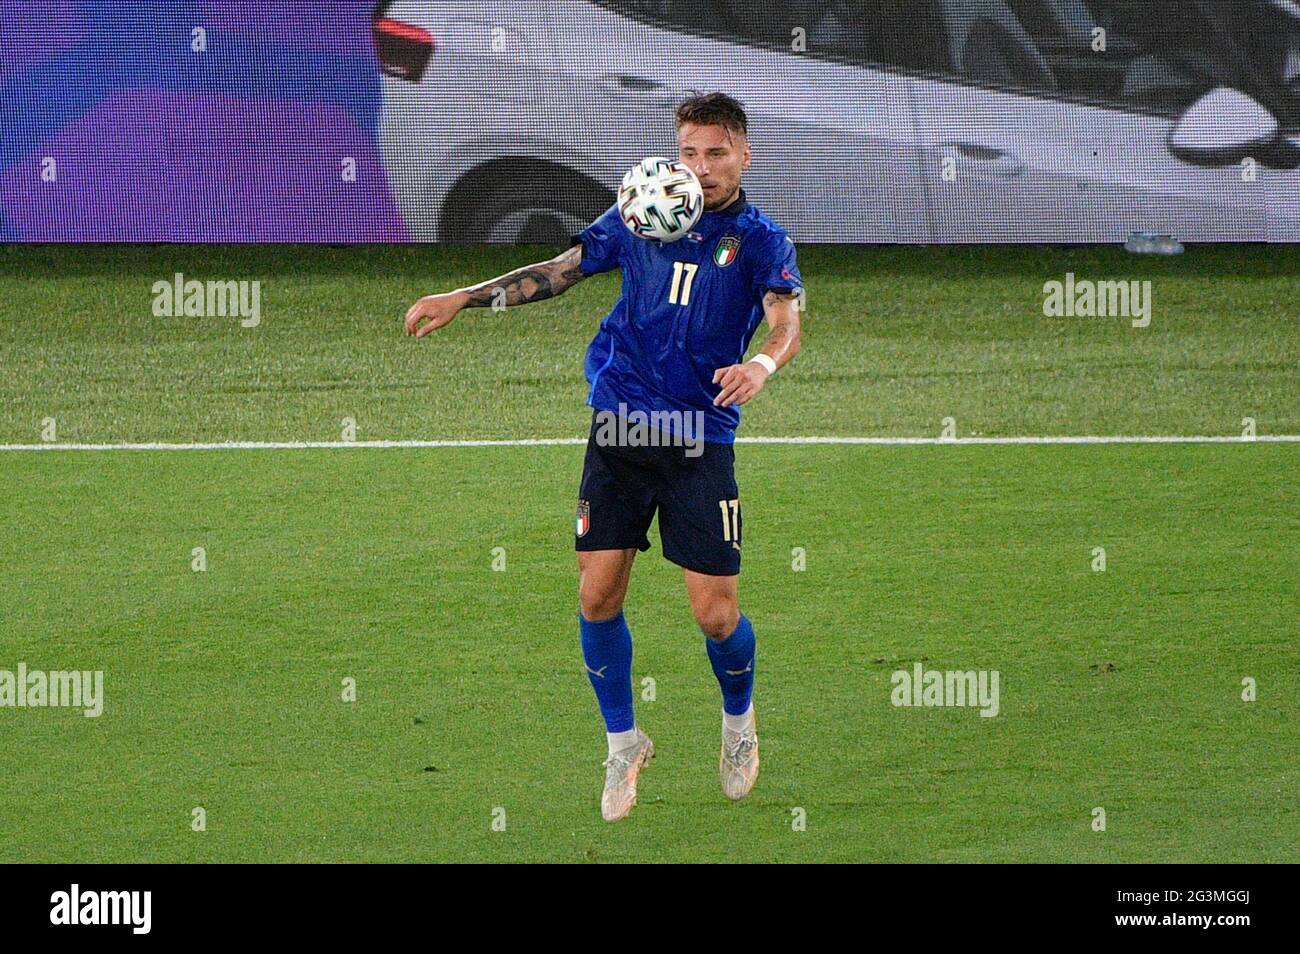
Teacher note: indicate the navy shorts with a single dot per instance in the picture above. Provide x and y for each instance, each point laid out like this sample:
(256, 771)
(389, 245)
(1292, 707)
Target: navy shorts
(696, 497)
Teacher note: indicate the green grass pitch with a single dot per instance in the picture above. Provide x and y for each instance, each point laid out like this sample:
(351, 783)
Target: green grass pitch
(1119, 689)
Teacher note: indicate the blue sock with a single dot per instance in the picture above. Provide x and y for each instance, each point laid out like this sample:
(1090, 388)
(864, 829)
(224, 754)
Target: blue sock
(607, 651)
(733, 664)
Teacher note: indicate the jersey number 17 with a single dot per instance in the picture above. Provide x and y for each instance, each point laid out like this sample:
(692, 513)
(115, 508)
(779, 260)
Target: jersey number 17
(683, 274)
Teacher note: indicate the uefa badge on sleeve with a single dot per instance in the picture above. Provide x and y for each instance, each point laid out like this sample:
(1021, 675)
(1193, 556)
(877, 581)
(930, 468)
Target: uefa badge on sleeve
(584, 517)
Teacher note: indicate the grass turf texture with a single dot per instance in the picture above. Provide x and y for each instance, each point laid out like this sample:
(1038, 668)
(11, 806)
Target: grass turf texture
(1118, 689)
(895, 341)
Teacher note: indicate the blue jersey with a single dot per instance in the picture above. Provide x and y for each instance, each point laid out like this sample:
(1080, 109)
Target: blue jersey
(688, 308)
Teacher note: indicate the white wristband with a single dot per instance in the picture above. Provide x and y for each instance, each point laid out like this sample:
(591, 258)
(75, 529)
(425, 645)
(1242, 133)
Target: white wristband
(765, 361)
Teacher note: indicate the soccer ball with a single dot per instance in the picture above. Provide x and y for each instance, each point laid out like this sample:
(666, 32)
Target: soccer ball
(660, 199)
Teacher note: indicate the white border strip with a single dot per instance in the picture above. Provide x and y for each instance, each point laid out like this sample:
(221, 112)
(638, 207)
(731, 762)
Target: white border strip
(565, 441)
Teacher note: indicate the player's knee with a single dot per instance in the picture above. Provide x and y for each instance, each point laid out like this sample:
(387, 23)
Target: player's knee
(599, 603)
(717, 620)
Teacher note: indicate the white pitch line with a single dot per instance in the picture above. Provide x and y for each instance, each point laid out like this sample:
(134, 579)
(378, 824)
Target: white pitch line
(568, 441)
(1065, 439)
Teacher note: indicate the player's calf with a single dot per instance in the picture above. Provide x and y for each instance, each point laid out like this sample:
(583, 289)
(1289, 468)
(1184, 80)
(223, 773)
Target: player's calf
(733, 659)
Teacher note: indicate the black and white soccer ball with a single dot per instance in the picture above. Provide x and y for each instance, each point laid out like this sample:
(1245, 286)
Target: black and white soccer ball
(660, 199)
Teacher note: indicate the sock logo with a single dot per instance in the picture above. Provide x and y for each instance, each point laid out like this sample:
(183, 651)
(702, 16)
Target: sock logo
(599, 674)
(740, 672)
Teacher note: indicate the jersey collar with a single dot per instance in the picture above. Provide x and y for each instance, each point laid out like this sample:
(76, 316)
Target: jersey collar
(732, 210)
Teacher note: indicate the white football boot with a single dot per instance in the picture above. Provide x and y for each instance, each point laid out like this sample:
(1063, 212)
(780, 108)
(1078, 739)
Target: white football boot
(738, 763)
(621, 771)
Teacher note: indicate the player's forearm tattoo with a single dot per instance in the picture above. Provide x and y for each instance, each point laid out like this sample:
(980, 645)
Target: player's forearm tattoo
(530, 283)
(782, 343)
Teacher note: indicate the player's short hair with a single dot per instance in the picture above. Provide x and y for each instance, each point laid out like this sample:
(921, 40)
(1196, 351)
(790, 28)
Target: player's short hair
(713, 109)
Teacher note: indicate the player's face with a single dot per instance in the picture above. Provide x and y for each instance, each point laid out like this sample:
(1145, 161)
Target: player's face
(717, 156)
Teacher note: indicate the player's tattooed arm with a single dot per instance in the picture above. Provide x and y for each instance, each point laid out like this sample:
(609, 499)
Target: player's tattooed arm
(781, 309)
(739, 383)
(530, 283)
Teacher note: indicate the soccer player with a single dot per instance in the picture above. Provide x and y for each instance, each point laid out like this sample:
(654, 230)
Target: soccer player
(673, 346)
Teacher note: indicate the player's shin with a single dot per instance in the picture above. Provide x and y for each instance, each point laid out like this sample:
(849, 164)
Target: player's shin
(607, 652)
(733, 663)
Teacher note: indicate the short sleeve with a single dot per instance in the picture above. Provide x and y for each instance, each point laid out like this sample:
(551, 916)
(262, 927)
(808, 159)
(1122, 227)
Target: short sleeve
(774, 264)
(602, 243)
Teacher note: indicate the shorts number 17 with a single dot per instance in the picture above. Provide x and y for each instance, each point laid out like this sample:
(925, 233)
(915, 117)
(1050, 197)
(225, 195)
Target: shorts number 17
(730, 519)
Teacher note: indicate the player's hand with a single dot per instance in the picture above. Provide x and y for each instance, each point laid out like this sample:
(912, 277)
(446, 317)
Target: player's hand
(434, 311)
(740, 382)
